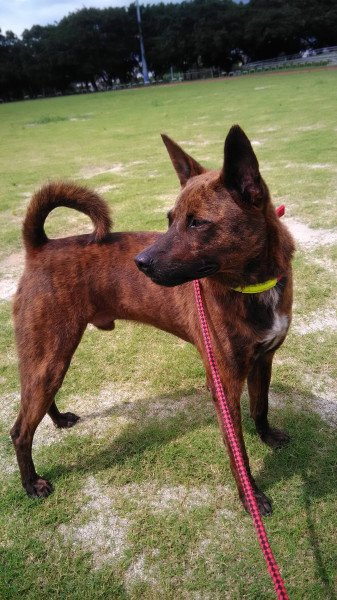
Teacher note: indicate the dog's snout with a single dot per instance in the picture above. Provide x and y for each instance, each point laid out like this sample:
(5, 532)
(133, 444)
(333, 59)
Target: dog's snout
(144, 262)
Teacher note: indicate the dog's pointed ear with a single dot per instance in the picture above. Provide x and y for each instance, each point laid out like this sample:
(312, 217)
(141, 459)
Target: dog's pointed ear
(241, 172)
(185, 166)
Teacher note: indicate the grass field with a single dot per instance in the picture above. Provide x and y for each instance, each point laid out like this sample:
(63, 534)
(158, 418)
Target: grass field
(144, 503)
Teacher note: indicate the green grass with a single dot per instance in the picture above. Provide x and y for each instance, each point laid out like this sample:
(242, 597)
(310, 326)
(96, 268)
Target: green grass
(144, 503)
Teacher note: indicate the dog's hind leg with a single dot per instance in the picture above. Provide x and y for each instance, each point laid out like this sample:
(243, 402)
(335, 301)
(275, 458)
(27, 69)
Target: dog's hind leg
(258, 387)
(32, 411)
(62, 420)
(42, 374)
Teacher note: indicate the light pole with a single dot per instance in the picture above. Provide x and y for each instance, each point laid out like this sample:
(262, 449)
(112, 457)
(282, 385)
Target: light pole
(142, 51)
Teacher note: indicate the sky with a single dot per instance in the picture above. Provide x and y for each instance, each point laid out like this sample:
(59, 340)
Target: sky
(18, 15)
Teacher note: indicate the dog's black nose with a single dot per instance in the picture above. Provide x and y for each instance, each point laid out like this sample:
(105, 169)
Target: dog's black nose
(144, 262)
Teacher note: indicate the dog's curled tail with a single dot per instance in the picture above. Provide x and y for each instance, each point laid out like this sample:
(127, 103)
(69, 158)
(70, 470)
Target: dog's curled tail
(69, 195)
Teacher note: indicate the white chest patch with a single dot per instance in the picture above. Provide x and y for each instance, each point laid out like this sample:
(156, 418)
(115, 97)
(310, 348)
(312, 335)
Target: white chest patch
(278, 331)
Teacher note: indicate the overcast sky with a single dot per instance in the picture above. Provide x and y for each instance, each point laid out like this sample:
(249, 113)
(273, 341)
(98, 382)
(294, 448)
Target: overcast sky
(18, 15)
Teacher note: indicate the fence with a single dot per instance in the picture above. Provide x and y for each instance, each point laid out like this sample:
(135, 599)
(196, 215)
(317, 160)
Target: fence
(308, 58)
(322, 56)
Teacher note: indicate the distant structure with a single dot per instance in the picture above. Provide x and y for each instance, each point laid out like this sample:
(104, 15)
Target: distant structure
(142, 51)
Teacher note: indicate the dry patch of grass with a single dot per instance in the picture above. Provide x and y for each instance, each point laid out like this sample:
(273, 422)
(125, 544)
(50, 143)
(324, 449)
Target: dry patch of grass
(100, 528)
(104, 532)
(311, 238)
(324, 402)
(313, 322)
(118, 168)
(92, 171)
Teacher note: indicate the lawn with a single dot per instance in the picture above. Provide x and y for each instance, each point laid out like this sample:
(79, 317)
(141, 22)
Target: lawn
(144, 503)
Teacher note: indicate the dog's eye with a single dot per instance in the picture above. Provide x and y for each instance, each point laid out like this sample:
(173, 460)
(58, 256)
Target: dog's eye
(193, 223)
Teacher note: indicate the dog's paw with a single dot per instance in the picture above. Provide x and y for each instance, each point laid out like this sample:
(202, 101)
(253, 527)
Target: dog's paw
(263, 504)
(39, 488)
(275, 438)
(65, 420)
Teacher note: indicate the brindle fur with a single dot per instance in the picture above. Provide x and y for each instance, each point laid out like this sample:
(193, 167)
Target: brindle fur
(223, 229)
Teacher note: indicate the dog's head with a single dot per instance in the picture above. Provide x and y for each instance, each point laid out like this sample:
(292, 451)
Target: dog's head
(217, 223)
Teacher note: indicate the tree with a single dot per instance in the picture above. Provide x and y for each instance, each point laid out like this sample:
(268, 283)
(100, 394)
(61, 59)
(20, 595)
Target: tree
(96, 44)
(12, 75)
(191, 34)
(271, 28)
(99, 47)
(40, 61)
(318, 25)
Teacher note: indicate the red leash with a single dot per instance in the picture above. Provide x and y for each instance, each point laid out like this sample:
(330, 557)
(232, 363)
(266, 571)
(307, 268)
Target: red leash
(234, 444)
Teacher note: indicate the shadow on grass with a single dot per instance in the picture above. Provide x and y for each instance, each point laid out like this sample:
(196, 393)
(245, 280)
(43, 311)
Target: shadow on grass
(312, 455)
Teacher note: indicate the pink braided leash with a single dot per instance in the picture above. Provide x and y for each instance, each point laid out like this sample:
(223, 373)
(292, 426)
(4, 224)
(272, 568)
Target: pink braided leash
(234, 444)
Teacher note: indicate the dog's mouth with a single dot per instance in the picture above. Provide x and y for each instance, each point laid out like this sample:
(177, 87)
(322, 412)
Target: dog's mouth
(172, 281)
(175, 273)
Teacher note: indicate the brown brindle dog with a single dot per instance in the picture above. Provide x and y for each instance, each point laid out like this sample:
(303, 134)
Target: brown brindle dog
(223, 229)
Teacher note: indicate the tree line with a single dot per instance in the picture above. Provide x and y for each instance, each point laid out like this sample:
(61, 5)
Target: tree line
(100, 47)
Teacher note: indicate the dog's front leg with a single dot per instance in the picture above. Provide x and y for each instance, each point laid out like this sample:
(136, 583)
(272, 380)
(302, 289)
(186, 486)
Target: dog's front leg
(233, 400)
(258, 387)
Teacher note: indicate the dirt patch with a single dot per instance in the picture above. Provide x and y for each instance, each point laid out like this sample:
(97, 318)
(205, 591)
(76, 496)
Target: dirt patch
(326, 263)
(114, 407)
(91, 171)
(314, 322)
(111, 410)
(153, 174)
(7, 288)
(104, 189)
(13, 262)
(104, 534)
(116, 169)
(8, 408)
(311, 238)
(324, 402)
(133, 163)
(321, 399)
(11, 269)
(309, 127)
(26, 196)
(140, 572)
(171, 499)
(8, 413)
(216, 542)
(314, 166)
(78, 119)
(192, 144)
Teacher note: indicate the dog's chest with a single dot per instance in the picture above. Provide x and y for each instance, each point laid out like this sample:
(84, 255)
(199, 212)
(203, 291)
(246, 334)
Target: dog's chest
(276, 333)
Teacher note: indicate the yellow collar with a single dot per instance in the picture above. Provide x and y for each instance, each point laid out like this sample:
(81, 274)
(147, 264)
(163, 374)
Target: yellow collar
(258, 287)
